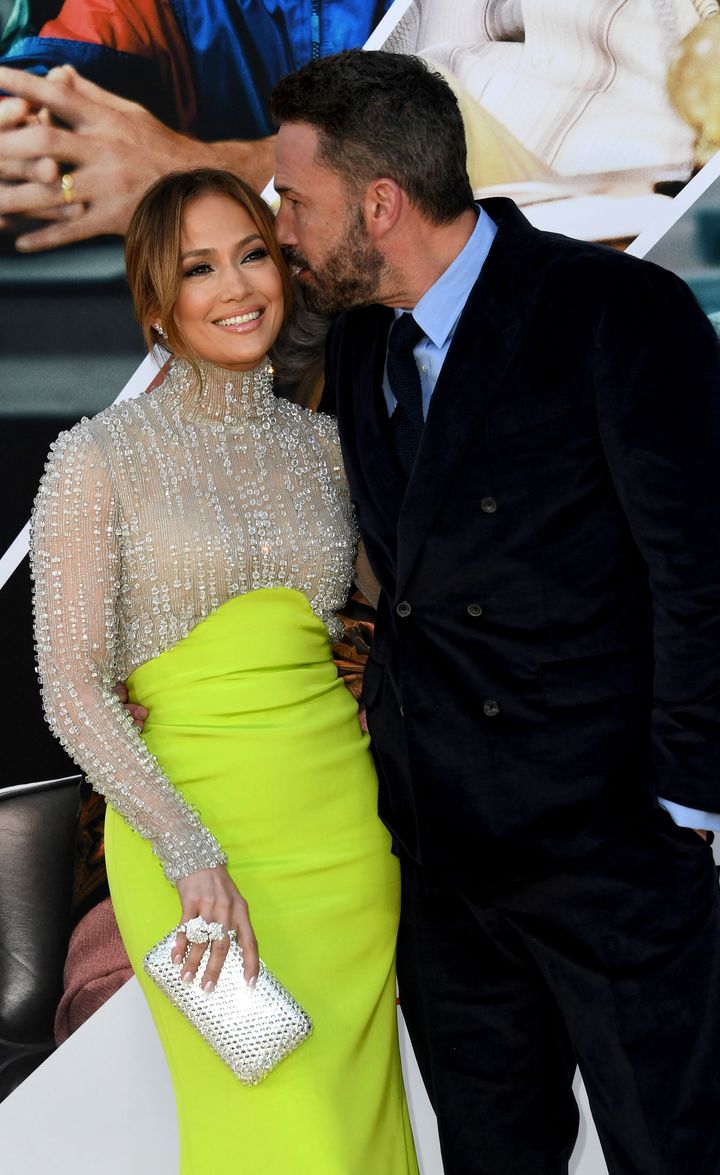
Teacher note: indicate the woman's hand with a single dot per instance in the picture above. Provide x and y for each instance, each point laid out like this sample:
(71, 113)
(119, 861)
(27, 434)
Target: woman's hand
(137, 713)
(212, 894)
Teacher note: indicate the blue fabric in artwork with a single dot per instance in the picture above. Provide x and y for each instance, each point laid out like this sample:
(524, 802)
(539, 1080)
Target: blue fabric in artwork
(238, 50)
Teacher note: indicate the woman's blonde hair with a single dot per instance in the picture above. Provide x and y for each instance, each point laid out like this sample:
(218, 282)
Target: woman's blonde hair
(152, 247)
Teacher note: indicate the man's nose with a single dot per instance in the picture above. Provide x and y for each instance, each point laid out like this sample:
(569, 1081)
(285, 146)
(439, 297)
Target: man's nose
(283, 231)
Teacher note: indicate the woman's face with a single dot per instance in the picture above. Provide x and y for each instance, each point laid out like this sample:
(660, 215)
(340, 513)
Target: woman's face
(230, 306)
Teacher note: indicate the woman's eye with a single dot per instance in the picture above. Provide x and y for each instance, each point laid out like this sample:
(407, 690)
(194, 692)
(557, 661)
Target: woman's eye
(258, 254)
(194, 270)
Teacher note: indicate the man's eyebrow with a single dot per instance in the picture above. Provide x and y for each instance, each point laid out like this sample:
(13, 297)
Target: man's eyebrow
(210, 252)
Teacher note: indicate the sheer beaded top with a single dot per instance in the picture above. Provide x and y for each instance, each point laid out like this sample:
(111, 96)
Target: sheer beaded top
(150, 516)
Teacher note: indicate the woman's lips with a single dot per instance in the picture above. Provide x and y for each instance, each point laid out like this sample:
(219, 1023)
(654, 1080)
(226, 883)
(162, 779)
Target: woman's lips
(240, 323)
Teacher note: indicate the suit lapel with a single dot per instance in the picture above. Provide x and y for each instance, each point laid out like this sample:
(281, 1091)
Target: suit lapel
(496, 317)
(376, 480)
(383, 477)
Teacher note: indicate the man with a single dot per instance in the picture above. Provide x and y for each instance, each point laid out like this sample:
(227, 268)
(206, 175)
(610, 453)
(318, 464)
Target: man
(534, 466)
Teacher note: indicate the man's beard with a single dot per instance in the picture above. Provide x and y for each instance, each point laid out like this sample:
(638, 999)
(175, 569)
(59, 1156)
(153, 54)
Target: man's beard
(348, 276)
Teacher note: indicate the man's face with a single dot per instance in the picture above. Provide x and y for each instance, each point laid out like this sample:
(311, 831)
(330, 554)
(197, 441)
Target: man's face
(321, 228)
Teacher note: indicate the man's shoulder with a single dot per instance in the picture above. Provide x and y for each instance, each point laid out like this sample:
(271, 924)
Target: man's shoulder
(551, 254)
(356, 331)
(515, 232)
(529, 262)
(361, 319)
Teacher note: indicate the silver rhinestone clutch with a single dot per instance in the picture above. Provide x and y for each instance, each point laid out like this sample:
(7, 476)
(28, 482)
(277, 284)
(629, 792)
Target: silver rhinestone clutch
(251, 1029)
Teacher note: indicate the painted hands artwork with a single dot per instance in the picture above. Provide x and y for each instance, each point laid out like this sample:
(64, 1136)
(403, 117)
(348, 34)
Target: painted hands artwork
(112, 148)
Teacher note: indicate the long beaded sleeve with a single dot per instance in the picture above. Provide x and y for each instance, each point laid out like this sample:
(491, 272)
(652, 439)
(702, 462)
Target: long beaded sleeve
(148, 518)
(75, 567)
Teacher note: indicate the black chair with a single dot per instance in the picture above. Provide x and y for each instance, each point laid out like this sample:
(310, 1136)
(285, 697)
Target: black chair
(38, 823)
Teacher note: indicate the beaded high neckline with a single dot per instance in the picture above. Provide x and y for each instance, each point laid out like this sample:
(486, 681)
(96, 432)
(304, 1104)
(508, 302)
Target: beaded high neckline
(225, 397)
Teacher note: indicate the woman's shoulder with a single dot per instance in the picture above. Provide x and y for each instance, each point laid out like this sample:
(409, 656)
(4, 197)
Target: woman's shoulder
(316, 423)
(322, 425)
(123, 414)
(77, 469)
(94, 439)
(83, 440)
(326, 426)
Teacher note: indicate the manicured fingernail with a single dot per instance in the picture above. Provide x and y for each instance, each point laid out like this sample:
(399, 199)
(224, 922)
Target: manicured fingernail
(187, 977)
(177, 960)
(253, 981)
(208, 985)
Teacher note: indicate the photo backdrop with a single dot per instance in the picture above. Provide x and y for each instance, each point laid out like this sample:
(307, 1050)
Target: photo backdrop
(567, 110)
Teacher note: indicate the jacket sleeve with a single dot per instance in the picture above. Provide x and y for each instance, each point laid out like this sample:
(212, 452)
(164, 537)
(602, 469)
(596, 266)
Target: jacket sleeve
(657, 388)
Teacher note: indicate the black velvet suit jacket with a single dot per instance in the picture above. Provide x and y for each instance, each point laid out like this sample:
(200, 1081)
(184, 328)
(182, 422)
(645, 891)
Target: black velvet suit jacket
(547, 651)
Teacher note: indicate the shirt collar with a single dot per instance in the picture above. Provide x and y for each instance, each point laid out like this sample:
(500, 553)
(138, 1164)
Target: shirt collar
(440, 307)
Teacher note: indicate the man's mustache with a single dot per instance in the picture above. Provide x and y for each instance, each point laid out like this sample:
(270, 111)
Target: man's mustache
(295, 260)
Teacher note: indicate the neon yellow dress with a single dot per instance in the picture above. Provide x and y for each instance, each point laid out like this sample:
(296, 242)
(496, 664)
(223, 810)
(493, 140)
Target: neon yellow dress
(148, 517)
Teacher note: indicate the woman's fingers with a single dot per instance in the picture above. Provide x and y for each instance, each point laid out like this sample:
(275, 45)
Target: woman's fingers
(218, 955)
(180, 948)
(219, 951)
(137, 713)
(189, 955)
(219, 914)
(210, 895)
(248, 945)
(192, 961)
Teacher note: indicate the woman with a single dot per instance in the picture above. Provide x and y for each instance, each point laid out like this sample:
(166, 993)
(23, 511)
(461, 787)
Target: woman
(197, 542)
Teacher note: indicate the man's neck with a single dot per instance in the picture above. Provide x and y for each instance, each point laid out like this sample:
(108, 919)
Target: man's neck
(419, 255)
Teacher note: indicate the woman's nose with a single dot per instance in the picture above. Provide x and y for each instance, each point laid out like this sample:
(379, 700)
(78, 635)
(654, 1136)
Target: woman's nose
(236, 282)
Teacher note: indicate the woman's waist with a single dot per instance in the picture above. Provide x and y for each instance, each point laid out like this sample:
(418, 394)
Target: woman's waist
(256, 697)
(265, 650)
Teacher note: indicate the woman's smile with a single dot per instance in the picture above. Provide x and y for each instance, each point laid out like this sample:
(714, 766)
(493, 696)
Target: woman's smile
(242, 322)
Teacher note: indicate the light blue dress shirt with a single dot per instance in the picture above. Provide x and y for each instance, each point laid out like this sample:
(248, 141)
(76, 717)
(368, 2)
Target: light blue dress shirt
(438, 312)
(439, 309)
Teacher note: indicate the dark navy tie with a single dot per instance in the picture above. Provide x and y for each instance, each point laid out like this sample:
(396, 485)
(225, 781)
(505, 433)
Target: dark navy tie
(406, 422)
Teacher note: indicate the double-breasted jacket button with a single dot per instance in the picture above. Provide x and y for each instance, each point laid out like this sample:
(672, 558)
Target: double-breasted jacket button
(474, 610)
(490, 708)
(403, 608)
(488, 505)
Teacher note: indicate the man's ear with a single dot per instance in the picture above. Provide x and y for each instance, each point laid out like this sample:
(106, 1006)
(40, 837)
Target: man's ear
(384, 202)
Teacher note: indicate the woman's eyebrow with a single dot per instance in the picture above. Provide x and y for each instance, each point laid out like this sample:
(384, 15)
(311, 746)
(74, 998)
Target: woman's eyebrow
(209, 252)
